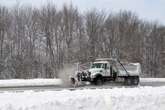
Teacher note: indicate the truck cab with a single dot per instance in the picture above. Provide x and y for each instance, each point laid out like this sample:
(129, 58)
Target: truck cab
(103, 68)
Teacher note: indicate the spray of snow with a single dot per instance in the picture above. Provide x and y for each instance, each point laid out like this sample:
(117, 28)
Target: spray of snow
(66, 73)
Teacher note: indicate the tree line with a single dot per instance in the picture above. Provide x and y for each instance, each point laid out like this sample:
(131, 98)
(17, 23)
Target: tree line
(37, 42)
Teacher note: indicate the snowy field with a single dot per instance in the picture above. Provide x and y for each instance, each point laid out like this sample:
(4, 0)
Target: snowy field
(29, 82)
(140, 98)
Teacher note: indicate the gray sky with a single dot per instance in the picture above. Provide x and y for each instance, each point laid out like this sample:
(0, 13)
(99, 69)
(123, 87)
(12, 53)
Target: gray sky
(151, 10)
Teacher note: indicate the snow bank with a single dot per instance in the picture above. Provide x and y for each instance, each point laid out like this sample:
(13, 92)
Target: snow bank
(29, 82)
(142, 98)
(152, 79)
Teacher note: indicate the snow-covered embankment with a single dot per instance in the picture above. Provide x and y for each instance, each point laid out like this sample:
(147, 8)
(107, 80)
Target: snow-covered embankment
(153, 80)
(30, 82)
(142, 98)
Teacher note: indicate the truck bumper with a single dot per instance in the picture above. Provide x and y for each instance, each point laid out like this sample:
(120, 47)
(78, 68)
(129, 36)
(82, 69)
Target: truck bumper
(86, 79)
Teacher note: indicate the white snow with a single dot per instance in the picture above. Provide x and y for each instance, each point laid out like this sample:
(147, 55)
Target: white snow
(152, 79)
(29, 82)
(140, 98)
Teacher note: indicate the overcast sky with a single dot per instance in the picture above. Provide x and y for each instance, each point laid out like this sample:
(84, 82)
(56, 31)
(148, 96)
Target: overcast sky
(151, 10)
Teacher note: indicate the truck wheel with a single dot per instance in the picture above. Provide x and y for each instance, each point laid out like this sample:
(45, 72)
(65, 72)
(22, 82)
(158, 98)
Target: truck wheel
(98, 81)
(135, 80)
(127, 81)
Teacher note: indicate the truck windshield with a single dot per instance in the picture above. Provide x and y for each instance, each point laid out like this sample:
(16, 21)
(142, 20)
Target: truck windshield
(97, 65)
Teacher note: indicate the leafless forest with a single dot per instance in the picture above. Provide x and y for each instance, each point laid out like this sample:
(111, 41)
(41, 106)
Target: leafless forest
(37, 42)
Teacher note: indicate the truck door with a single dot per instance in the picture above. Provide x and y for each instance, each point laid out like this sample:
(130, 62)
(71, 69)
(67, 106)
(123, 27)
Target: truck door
(104, 69)
(107, 70)
(113, 71)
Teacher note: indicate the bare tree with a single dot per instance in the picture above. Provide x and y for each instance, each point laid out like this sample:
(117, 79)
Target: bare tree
(94, 22)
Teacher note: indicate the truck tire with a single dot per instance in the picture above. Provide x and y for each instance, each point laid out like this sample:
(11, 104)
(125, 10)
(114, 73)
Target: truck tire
(127, 81)
(135, 80)
(131, 80)
(98, 81)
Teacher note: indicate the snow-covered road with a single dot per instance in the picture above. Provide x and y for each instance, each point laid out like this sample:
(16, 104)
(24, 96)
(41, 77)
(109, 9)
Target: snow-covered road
(139, 98)
(57, 84)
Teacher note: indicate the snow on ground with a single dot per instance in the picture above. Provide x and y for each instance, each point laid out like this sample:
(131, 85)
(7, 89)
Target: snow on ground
(152, 79)
(29, 82)
(140, 98)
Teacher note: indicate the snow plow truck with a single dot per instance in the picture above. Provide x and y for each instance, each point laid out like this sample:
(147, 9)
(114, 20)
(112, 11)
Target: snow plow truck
(108, 69)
